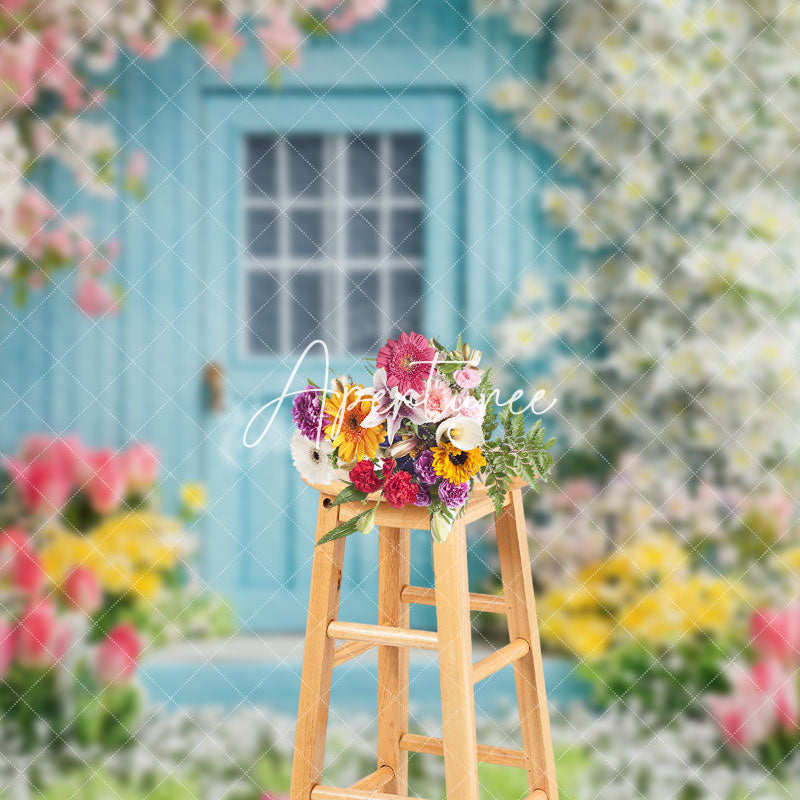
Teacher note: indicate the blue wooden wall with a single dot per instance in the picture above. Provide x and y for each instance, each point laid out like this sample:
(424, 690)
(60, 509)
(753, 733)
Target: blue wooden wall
(138, 375)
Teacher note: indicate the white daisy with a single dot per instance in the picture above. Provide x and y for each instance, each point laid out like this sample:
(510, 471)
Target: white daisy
(312, 462)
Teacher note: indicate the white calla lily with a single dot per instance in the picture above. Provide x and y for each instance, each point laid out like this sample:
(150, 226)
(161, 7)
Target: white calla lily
(462, 432)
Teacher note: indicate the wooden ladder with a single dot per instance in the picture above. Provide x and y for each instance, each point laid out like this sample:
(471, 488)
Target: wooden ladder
(453, 641)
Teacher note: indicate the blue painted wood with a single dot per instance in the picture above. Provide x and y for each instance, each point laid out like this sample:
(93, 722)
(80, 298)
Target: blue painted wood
(425, 68)
(276, 684)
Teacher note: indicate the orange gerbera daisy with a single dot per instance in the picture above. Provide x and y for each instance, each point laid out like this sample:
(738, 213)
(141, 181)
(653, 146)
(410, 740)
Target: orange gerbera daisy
(347, 410)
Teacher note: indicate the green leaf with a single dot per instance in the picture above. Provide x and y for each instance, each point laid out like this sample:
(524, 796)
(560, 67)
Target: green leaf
(348, 495)
(344, 528)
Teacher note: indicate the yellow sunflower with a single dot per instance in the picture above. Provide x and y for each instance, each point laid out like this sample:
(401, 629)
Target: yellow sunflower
(347, 409)
(457, 466)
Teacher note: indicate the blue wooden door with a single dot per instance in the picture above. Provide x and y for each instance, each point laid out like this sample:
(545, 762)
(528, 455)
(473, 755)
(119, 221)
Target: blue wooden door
(332, 216)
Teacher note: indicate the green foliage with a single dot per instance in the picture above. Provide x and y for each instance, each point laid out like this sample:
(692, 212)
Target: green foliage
(667, 684)
(518, 452)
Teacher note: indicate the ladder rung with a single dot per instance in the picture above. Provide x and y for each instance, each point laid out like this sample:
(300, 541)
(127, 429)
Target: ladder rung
(494, 604)
(344, 652)
(383, 634)
(511, 652)
(375, 781)
(415, 743)
(331, 793)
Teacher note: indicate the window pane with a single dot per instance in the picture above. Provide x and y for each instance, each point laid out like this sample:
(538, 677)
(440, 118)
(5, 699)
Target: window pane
(363, 166)
(362, 234)
(363, 325)
(306, 307)
(262, 233)
(406, 234)
(262, 313)
(262, 175)
(405, 287)
(406, 165)
(305, 165)
(305, 233)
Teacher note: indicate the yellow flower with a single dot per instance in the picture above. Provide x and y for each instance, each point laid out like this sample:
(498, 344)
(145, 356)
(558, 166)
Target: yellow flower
(194, 497)
(456, 466)
(146, 584)
(347, 409)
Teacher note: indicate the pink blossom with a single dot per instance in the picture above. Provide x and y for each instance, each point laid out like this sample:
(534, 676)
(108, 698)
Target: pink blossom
(137, 166)
(95, 298)
(82, 589)
(18, 69)
(776, 634)
(6, 646)
(106, 484)
(356, 11)
(12, 6)
(467, 378)
(59, 241)
(33, 211)
(41, 640)
(468, 406)
(280, 38)
(118, 655)
(140, 464)
(437, 402)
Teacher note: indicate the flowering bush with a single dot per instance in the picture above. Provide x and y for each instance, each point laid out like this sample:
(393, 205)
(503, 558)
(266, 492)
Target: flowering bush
(674, 123)
(420, 436)
(54, 58)
(87, 567)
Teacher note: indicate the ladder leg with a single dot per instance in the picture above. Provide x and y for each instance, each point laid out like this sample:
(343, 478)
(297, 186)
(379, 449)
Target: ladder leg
(455, 665)
(512, 544)
(394, 572)
(315, 685)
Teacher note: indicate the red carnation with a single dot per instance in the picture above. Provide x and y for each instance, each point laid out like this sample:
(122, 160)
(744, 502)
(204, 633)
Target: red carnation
(399, 490)
(364, 478)
(388, 466)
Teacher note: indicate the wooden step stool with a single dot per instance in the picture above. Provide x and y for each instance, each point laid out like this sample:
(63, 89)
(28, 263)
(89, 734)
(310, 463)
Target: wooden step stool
(453, 641)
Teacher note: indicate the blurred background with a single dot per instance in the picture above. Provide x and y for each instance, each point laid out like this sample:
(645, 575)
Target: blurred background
(600, 196)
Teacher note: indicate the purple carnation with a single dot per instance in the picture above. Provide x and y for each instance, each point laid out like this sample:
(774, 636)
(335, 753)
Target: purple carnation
(423, 466)
(306, 411)
(454, 495)
(423, 496)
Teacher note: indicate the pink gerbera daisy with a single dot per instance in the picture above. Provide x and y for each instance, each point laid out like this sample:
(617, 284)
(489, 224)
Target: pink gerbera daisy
(408, 361)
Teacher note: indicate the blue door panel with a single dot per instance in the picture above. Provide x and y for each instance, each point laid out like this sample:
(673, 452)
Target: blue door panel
(260, 534)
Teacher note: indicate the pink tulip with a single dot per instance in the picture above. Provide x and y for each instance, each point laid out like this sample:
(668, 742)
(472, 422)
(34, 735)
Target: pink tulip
(83, 590)
(776, 634)
(68, 452)
(95, 298)
(6, 646)
(761, 699)
(41, 640)
(106, 484)
(118, 655)
(29, 576)
(140, 464)
(43, 484)
(13, 543)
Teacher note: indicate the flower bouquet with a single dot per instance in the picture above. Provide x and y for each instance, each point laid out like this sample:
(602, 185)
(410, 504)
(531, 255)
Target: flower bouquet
(423, 434)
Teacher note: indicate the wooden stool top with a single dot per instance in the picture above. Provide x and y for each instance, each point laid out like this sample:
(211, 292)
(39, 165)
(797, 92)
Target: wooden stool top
(417, 517)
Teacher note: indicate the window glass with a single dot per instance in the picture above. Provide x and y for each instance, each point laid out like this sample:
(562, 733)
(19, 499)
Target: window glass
(333, 244)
